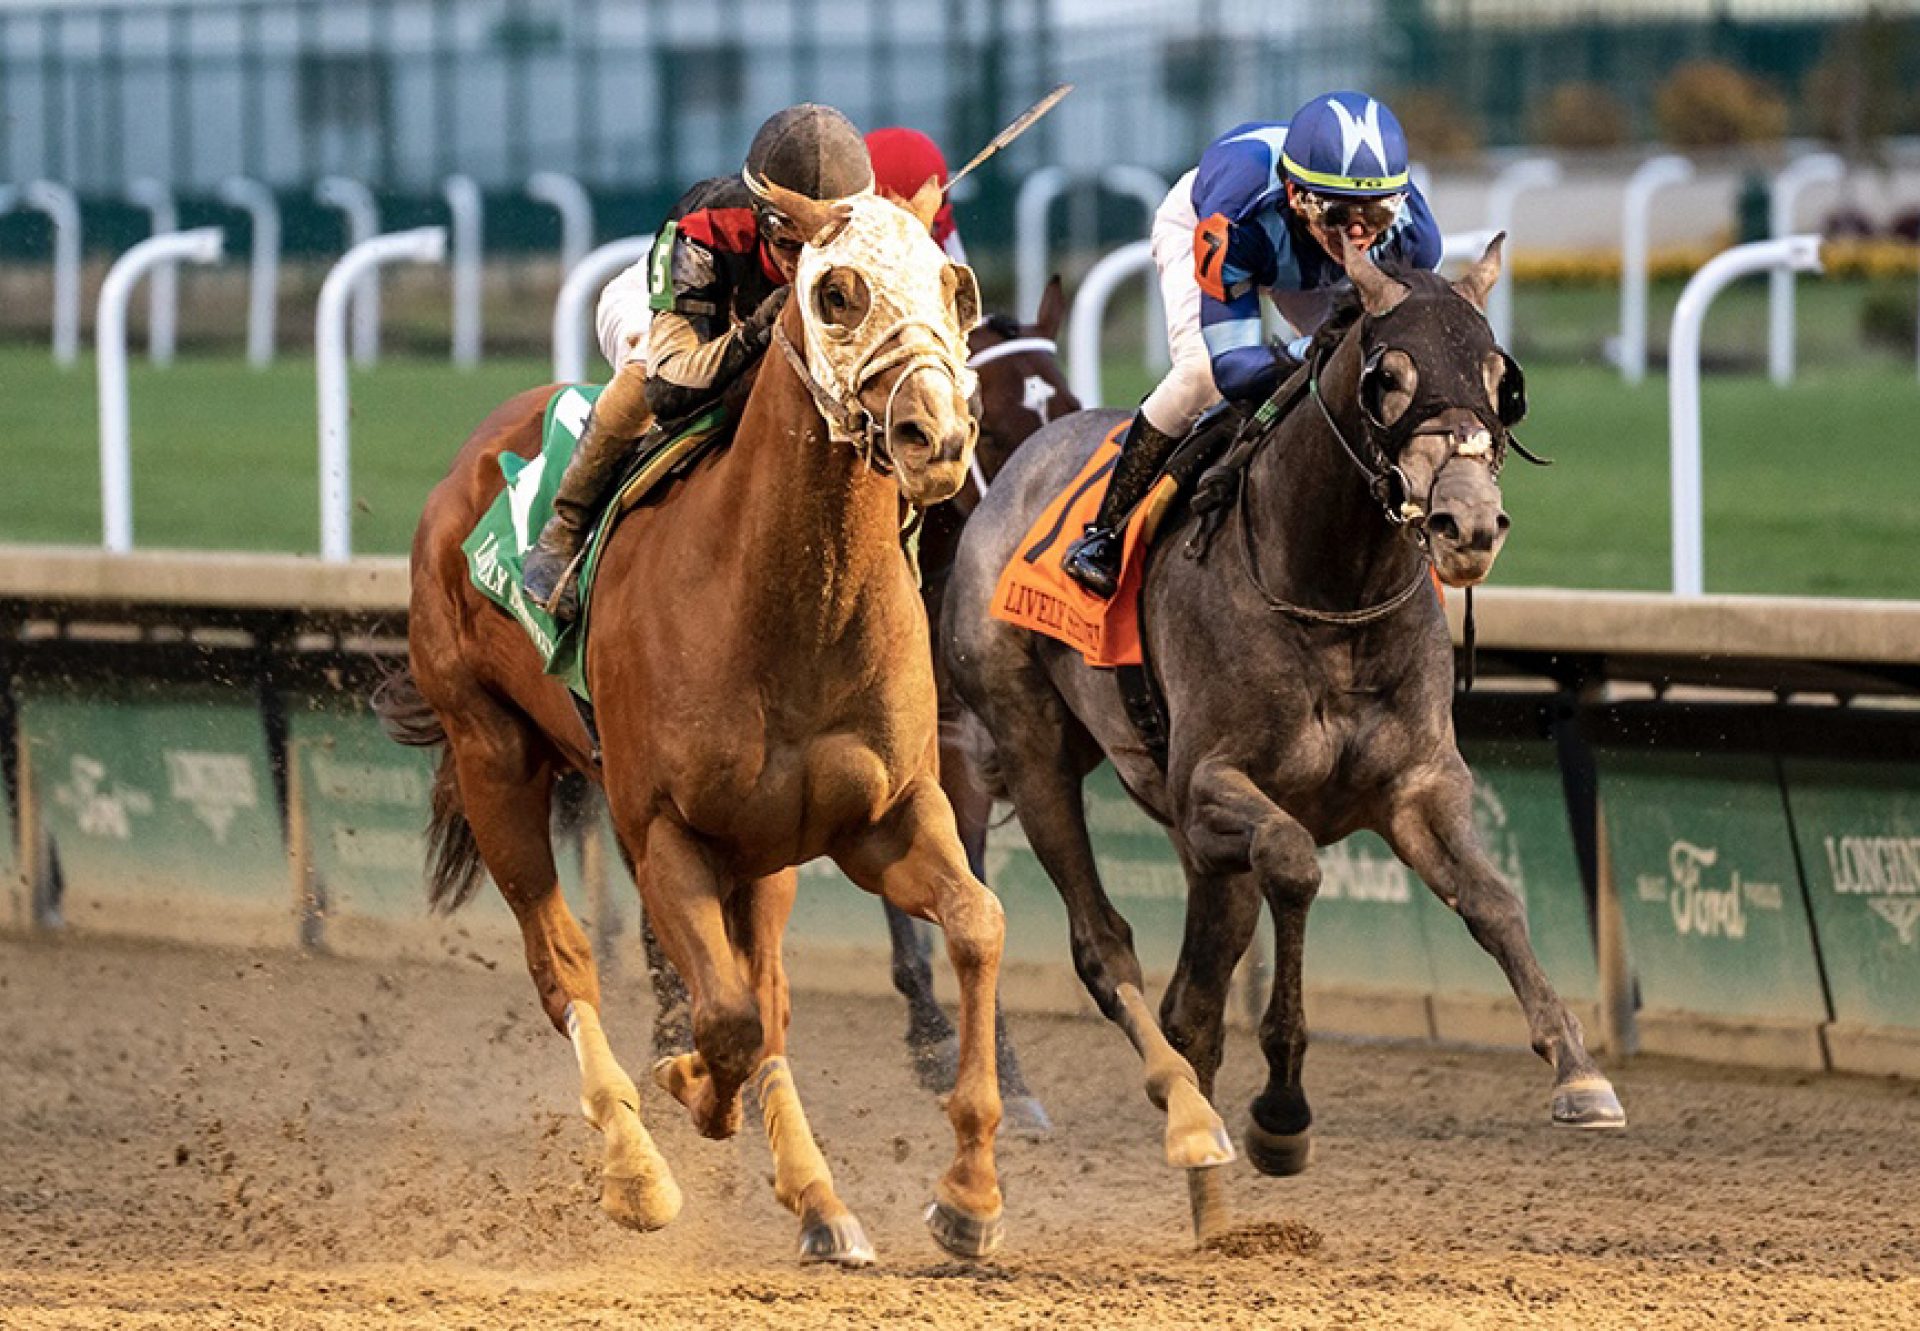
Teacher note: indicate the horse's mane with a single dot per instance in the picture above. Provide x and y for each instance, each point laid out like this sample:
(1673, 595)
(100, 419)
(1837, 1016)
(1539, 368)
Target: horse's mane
(1005, 325)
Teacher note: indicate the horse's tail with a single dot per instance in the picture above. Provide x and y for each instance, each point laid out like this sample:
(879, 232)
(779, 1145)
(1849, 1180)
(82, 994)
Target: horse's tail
(453, 856)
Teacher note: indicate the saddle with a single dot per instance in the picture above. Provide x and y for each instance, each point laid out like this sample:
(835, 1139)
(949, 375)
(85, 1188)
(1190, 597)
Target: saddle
(1035, 592)
(497, 547)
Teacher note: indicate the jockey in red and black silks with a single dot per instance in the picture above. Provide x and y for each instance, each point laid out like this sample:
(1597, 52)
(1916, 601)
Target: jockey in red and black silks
(682, 324)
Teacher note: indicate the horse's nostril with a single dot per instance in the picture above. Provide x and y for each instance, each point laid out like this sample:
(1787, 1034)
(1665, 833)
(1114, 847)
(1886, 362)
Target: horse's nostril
(1444, 526)
(1502, 523)
(912, 434)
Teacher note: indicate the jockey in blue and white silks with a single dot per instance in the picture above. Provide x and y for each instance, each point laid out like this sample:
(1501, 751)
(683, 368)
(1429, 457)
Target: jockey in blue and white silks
(1265, 211)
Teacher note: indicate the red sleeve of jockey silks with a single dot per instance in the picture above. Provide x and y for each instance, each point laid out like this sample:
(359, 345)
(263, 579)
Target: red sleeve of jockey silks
(731, 230)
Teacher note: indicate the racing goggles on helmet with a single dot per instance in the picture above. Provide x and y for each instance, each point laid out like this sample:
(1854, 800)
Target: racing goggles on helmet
(778, 230)
(1338, 212)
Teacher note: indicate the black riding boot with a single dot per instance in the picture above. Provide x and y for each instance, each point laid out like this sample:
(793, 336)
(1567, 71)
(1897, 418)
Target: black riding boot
(1093, 561)
(549, 576)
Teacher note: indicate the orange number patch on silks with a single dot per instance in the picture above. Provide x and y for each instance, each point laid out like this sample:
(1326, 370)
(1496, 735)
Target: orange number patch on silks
(1210, 255)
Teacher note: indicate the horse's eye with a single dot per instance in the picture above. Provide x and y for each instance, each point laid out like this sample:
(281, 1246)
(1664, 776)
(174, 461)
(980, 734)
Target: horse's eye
(836, 300)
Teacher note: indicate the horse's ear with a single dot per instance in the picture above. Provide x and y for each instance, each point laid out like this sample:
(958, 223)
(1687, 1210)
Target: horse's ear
(817, 219)
(1053, 307)
(963, 289)
(925, 203)
(1478, 280)
(1378, 292)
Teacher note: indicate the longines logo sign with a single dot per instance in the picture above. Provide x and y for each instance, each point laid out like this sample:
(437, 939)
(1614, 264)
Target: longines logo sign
(1706, 904)
(1885, 870)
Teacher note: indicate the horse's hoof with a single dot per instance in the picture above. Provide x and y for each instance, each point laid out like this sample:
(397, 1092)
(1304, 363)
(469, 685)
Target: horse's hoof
(1024, 1116)
(1196, 1138)
(963, 1235)
(640, 1203)
(1588, 1103)
(936, 1064)
(1278, 1154)
(840, 1241)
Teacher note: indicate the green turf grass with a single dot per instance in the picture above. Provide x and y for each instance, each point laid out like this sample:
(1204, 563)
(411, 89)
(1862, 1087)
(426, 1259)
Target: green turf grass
(1813, 489)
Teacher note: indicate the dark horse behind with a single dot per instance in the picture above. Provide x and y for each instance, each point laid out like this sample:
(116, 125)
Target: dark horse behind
(1307, 675)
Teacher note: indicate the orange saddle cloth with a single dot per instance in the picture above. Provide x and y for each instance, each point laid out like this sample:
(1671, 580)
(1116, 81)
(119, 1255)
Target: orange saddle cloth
(1035, 592)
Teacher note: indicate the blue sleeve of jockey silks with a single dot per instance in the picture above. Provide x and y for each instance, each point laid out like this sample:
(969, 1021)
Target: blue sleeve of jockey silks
(1414, 239)
(1243, 365)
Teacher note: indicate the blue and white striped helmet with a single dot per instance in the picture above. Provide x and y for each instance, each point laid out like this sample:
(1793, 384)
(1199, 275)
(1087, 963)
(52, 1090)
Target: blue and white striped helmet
(1346, 143)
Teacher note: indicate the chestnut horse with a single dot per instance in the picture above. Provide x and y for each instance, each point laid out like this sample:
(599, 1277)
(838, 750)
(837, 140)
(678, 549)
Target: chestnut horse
(1022, 387)
(764, 694)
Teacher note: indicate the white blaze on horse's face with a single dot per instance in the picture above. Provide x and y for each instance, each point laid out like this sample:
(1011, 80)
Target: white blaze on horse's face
(920, 306)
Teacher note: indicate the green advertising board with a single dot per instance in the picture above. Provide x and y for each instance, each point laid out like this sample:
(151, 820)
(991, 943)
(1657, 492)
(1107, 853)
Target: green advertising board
(1858, 826)
(161, 807)
(1364, 930)
(367, 801)
(1704, 865)
(1520, 810)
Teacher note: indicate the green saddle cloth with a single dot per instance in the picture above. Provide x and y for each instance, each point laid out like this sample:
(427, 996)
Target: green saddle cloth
(497, 547)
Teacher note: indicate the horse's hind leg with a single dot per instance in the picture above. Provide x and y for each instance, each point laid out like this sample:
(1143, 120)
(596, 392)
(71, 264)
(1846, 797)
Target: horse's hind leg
(829, 1232)
(1432, 830)
(1222, 911)
(913, 858)
(1047, 796)
(505, 786)
(1232, 825)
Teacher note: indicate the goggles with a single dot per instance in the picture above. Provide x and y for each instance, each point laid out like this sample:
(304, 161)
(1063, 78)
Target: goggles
(778, 230)
(1337, 213)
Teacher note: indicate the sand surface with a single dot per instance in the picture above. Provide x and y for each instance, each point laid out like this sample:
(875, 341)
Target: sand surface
(200, 1138)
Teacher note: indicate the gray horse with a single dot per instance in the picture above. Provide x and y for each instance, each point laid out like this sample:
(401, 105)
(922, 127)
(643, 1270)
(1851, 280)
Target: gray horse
(1307, 678)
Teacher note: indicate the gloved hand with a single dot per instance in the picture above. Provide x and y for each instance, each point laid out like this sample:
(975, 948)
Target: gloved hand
(1289, 356)
(757, 329)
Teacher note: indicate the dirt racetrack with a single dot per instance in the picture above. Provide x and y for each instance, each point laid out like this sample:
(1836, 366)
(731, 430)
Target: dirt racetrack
(210, 1139)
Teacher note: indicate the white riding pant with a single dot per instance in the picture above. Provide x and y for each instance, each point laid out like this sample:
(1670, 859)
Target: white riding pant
(1187, 390)
(623, 316)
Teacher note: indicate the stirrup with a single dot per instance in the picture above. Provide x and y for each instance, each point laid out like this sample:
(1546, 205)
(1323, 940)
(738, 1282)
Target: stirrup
(1093, 561)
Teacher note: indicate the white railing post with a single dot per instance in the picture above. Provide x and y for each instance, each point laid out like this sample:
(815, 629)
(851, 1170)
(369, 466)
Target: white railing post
(1650, 177)
(203, 245)
(1089, 306)
(467, 210)
(60, 205)
(363, 224)
(1030, 246)
(575, 206)
(1465, 246)
(163, 293)
(1139, 183)
(1799, 253)
(582, 283)
(263, 269)
(427, 244)
(1794, 177)
(1509, 185)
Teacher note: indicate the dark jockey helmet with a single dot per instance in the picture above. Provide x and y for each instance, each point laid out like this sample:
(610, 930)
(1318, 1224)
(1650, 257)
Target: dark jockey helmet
(1346, 144)
(811, 150)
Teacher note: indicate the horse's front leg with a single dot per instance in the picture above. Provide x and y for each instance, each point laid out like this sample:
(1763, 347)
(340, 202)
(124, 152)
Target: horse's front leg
(1431, 828)
(829, 1232)
(1233, 825)
(913, 858)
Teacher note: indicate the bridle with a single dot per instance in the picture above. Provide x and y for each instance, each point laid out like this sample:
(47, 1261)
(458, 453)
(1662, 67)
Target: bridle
(1383, 443)
(893, 334)
(1013, 344)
